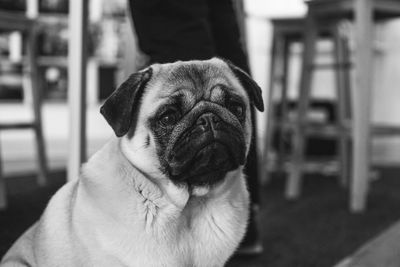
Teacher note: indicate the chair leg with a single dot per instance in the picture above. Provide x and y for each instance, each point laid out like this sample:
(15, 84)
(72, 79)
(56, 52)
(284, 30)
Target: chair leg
(36, 102)
(292, 190)
(3, 194)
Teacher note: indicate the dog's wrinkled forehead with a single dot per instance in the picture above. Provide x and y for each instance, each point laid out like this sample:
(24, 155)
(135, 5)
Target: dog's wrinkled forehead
(197, 81)
(190, 82)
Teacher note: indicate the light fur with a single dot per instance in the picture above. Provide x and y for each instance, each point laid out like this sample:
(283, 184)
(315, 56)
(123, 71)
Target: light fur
(123, 211)
(115, 216)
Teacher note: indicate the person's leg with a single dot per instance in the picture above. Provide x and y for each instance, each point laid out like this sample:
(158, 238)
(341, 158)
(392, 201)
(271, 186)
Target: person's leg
(227, 39)
(171, 30)
(225, 33)
(251, 168)
(252, 242)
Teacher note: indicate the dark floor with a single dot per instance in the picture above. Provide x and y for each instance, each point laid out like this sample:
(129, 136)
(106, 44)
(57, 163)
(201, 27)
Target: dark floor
(316, 230)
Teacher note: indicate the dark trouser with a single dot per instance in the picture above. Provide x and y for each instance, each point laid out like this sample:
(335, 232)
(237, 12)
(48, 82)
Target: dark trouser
(171, 30)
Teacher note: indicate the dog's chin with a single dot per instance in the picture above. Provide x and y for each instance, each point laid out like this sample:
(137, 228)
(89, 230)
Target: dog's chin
(201, 185)
(200, 191)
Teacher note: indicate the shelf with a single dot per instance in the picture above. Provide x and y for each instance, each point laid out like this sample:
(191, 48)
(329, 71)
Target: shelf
(62, 61)
(15, 21)
(11, 80)
(53, 18)
(56, 61)
(15, 125)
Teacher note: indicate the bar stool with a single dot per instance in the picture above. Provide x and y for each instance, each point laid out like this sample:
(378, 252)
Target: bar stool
(18, 22)
(285, 32)
(364, 13)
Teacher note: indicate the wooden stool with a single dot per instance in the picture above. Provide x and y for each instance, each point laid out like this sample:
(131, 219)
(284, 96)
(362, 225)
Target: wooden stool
(17, 22)
(286, 32)
(365, 13)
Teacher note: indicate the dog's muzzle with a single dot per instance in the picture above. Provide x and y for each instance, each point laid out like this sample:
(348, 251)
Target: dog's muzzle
(206, 151)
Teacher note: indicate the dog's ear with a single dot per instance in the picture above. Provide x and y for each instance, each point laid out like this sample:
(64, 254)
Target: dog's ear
(251, 87)
(121, 108)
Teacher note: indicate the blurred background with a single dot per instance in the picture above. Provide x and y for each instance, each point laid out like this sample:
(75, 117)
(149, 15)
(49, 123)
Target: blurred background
(315, 228)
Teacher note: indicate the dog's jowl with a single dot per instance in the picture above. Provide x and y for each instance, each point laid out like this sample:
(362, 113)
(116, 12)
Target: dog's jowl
(168, 189)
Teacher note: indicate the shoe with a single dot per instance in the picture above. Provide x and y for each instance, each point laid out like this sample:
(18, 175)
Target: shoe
(251, 244)
(252, 249)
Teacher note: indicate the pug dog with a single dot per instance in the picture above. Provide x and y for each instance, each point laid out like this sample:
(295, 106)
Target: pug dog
(169, 189)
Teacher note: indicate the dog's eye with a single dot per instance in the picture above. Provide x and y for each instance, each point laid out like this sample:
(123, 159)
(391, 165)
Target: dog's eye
(169, 117)
(236, 106)
(237, 109)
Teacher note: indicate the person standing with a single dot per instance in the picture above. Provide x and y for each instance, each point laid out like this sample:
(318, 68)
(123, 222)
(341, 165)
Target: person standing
(171, 30)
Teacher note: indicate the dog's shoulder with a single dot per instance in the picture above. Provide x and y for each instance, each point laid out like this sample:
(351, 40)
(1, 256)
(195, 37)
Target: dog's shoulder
(40, 237)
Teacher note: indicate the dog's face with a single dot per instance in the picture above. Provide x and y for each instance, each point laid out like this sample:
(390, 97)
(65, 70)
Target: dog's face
(187, 121)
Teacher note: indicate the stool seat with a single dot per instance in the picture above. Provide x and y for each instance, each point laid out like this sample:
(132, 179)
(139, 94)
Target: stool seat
(382, 9)
(293, 28)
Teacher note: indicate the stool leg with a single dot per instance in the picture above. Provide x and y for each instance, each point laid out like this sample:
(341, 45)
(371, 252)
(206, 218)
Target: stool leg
(293, 183)
(277, 72)
(284, 103)
(343, 90)
(36, 102)
(362, 104)
(269, 126)
(3, 196)
(347, 92)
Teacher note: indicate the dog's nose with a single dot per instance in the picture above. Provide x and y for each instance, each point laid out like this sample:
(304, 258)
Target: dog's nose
(207, 121)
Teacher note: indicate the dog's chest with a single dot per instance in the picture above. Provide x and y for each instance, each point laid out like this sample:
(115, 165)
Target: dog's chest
(206, 235)
(213, 238)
